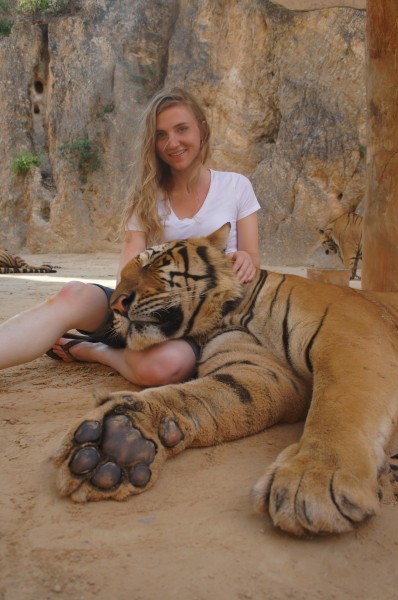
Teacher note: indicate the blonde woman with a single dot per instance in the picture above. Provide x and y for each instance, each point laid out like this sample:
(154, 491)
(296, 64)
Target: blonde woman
(174, 196)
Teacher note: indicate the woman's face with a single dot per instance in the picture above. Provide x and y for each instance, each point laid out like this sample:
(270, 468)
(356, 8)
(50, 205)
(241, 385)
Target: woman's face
(178, 137)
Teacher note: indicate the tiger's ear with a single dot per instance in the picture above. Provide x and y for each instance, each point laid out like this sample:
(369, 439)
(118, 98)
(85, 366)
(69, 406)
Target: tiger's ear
(219, 238)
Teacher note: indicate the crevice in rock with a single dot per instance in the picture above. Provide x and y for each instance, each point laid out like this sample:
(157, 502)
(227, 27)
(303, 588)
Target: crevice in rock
(38, 98)
(148, 55)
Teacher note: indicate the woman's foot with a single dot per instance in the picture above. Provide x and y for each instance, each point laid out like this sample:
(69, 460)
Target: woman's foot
(79, 350)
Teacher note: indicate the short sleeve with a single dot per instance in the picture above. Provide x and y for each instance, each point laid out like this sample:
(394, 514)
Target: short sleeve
(134, 224)
(247, 201)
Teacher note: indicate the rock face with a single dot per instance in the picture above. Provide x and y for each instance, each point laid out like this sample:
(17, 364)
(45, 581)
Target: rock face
(284, 91)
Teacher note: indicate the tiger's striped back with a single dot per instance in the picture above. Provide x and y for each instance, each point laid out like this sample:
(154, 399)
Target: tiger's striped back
(16, 264)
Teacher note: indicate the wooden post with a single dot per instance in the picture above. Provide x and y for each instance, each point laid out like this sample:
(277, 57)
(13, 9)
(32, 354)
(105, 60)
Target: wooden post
(380, 235)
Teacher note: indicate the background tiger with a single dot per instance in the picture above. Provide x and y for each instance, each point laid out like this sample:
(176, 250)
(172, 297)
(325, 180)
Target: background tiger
(16, 264)
(343, 236)
(273, 349)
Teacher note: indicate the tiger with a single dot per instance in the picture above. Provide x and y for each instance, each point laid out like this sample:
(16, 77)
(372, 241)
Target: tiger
(15, 264)
(343, 236)
(279, 349)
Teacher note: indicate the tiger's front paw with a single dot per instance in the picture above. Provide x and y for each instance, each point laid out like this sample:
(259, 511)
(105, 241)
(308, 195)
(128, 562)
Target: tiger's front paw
(117, 451)
(306, 494)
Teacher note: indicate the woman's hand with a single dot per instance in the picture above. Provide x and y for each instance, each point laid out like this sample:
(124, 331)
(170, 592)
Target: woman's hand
(243, 266)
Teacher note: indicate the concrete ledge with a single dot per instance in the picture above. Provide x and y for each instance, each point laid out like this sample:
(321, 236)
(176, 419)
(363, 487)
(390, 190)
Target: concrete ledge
(319, 4)
(336, 276)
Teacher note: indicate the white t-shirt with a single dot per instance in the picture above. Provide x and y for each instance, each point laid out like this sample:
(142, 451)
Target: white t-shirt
(230, 198)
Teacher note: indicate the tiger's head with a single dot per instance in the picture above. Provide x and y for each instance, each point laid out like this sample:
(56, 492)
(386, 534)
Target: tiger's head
(177, 289)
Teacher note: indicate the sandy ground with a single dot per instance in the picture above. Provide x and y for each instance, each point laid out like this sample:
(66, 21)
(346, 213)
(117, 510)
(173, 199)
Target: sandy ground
(193, 536)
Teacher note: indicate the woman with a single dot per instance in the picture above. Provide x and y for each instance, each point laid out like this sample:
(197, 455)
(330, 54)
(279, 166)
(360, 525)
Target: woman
(174, 196)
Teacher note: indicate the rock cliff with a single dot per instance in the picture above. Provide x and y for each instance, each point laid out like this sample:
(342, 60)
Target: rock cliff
(283, 84)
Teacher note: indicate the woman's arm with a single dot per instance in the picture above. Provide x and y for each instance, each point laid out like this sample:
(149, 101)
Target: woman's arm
(134, 243)
(247, 257)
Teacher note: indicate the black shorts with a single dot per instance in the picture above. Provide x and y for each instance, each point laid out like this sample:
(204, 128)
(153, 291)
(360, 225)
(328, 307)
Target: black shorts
(106, 333)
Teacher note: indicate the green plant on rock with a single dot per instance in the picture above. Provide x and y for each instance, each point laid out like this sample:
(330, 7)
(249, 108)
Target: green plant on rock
(84, 153)
(5, 24)
(24, 162)
(146, 76)
(35, 6)
(108, 108)
(5, 27)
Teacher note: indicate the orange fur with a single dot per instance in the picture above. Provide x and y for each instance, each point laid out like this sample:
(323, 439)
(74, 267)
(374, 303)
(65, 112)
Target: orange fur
(343, 236)
(278, 349)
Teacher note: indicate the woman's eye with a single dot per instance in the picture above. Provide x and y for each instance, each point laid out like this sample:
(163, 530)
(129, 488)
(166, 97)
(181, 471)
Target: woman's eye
(160, 135)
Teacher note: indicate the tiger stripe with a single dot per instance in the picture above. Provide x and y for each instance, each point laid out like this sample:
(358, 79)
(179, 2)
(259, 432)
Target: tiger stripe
(15, 264)
(311, 342)
(275, 350)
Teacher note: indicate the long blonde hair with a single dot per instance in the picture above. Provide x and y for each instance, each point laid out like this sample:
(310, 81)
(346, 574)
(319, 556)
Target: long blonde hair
(152, 176)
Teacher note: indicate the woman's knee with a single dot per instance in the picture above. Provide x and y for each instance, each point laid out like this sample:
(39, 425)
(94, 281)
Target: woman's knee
(171, 362)
(77, 290)
(73, 291)
(83, 293)
(86, 303)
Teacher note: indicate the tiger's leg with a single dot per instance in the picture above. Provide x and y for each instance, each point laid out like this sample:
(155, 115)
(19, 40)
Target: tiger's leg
(328, 482)
(120, 448)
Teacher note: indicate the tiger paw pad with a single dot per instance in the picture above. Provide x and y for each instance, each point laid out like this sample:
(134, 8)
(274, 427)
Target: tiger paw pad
(111, 453)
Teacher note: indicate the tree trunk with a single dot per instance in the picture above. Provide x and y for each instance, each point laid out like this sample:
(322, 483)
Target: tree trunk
(380, 235)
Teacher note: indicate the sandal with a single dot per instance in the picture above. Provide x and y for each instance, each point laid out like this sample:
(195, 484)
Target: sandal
(74, 340)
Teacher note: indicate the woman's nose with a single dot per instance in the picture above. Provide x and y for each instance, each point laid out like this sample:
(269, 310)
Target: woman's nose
(172, 142)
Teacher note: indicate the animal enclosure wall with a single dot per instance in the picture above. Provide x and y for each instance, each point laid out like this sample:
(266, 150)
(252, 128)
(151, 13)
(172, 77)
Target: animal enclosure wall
(284, 91)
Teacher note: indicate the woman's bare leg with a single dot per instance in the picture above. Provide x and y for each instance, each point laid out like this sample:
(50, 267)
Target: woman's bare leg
(169, 362)
(31, 333)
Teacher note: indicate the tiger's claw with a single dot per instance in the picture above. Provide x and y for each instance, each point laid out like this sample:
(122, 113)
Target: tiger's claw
(306, 495)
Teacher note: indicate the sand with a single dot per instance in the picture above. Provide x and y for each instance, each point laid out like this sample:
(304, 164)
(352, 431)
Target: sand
(193, 536)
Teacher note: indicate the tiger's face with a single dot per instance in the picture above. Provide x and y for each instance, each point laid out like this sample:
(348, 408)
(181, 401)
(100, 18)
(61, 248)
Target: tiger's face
(174, 290)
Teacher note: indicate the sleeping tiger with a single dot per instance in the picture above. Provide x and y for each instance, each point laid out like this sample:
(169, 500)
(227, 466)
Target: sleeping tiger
(16, 264)
(343, 236)
(278, 349)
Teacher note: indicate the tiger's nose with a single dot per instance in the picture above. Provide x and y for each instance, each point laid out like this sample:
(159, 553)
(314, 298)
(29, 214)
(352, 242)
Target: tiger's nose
(121, 304)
